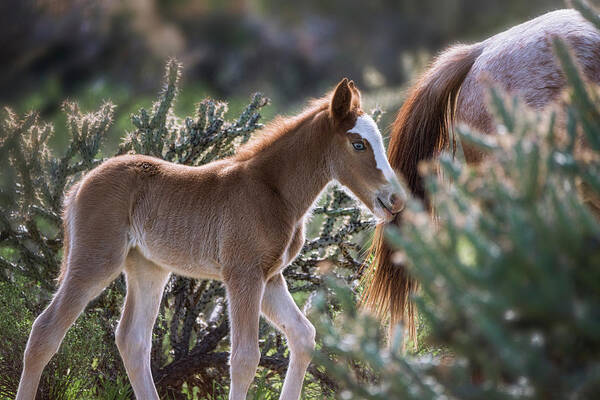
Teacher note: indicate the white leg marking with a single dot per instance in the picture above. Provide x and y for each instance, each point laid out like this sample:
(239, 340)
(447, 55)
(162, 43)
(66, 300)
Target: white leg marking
(244, 312)
(145, 284)
(279, 307)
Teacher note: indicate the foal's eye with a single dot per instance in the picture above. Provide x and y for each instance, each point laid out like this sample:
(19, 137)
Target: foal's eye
(358, 146)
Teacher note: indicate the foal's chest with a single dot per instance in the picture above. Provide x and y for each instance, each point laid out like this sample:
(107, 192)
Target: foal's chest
(295, 243)
(290, 251)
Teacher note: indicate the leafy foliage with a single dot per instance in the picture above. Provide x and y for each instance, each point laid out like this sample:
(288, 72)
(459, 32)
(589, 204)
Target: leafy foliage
(509, 270)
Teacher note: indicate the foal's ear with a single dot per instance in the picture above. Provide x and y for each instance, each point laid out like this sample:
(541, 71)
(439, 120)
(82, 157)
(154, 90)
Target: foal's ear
(356, 98)
(341, 102)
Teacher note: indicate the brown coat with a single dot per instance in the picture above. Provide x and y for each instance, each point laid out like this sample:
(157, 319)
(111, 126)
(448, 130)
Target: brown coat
(240, 220)
(520, 61)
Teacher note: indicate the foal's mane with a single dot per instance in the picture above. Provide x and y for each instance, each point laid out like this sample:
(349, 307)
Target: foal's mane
(279, 127)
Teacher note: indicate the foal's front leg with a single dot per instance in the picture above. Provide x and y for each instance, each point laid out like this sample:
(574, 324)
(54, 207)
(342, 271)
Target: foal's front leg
(244, 291)
(279, 307)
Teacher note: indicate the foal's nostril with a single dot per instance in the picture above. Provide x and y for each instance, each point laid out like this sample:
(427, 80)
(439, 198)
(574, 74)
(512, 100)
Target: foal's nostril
(396, 203)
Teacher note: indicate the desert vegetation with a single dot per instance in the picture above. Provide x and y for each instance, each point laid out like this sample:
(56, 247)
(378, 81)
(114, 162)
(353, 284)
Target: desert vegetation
(509, 269)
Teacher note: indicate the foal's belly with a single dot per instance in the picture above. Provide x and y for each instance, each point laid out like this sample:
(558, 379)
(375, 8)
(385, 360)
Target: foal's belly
(187, 259)
(188, 254)
(183, 241)
(199, 268)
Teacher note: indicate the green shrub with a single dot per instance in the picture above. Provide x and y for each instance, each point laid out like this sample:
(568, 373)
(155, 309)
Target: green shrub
(509, 270)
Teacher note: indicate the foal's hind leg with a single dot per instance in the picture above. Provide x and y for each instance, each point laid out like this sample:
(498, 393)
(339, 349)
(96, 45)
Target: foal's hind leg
(279, 307)
(145, 284)
(87, 275)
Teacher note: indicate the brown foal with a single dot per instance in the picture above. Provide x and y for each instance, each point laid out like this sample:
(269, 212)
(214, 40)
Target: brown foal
(239, 220)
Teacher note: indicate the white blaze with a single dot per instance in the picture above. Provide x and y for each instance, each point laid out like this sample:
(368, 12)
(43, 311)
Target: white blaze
(367, 128)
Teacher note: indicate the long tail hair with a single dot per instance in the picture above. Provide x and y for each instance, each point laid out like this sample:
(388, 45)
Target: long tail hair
(422, 128)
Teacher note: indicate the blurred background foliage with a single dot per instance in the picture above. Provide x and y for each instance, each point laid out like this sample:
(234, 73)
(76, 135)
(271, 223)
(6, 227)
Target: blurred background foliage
(91, 50)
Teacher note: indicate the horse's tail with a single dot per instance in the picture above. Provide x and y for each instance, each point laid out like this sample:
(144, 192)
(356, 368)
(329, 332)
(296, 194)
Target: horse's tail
(68, 200)
(421, 130)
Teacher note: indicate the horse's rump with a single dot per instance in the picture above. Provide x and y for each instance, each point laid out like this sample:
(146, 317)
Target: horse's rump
(521, 62)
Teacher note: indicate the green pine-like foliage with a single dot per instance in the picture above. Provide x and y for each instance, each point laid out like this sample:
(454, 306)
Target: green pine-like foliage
(509, 268)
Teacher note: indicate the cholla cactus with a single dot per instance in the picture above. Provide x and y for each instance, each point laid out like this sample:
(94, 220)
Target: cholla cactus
(31, 188)
(39, 181)
(189, 344)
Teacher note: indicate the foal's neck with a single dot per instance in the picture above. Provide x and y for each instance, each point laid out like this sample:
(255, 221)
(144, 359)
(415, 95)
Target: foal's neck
(296, 164)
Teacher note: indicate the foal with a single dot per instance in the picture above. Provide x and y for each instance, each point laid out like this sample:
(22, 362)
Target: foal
(239, 220)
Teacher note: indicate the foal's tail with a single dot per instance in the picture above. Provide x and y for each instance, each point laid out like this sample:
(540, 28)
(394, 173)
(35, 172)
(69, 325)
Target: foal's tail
(420, 131)
(69, 197)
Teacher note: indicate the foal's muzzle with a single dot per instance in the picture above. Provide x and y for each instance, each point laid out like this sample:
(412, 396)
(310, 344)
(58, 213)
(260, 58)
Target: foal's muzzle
(389, 203)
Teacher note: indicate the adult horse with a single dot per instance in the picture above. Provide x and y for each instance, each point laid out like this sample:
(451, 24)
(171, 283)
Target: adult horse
(519, 60)
(239, 220)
